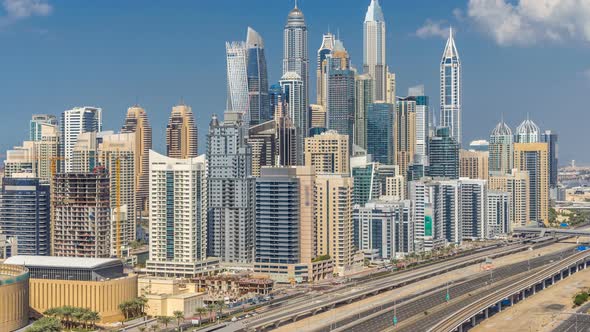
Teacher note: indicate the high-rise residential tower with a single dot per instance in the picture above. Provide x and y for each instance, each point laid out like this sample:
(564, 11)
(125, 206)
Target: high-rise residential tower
(404, 133)
(178, 216)
(501, 150)
(328, 153)
(36, 124)
(258, 97)
(74, 122)
(181, 133)
(137, 123)
(374, 61)
(516, 184)
(473, 164)
(323, 52)
(550, 137)
(450, 89)
(534, 158)
(295, 50)
(528, 132)
(237, 78)
(423, 120)
(293, 90)
(230, 191)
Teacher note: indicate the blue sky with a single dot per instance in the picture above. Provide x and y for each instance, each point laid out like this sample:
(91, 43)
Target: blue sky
(519, 57)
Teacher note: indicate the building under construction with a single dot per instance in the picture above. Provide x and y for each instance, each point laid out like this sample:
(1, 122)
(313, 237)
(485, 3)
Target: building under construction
(81, 214)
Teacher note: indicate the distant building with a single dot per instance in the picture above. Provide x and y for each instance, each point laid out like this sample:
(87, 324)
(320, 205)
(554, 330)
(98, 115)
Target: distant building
(181, 133)
(451, 90)
(364, 92)
(258, 96)
(296, 109)
(473, 164)
(423, 120)
(323, 52)
(379, 134)
(527, 132)
(374, 48)
(74, 122)
(534, 158)
(328, 153)
(25, 214)
(296, 55)
(404, 133)
(263, 140)
(501, 150)
(444, 155)
(36, 125)
(498, 214)
(551, 139)
(516, 184)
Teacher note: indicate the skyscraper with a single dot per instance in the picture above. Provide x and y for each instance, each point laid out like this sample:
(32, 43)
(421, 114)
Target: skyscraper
(404, 133)
(81, 215)
(528, 132)
(237, 78)
(472, 208)
(328, 153)
(263, 140)
(550, 138)
(293, 91)
(295, 51)
(364, 86)
(25, 213)
(259, 101)
(534, 158)
(46, 149)
(178, 215)
(321, 86)
(137, 122)
(501, 159)
(450, 89)
(498, 214)
(181, 133)
(380, 140)
(374, 49)
(516, 184)
(317, 118)
(74, 122)
(473, 164)
(444, 155)
(423, 120)
(230, 226)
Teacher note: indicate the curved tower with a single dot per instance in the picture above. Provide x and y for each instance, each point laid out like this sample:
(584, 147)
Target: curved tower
(374, 61)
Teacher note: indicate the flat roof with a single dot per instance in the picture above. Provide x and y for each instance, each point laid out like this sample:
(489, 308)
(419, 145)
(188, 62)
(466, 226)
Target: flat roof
(61, 262)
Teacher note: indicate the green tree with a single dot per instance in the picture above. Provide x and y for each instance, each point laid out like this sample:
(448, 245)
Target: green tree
(164, 320)
(46, 324)
(220, 304)
(155, 327)
(179, 316)
(200, 311)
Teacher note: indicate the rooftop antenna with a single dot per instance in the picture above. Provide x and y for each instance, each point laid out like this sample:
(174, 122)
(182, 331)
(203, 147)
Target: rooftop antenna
(296, 2)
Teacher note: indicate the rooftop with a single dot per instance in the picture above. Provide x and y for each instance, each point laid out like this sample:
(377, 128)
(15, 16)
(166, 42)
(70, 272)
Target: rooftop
(61, 262)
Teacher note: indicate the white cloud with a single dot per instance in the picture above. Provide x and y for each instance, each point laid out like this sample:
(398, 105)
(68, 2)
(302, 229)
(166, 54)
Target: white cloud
(16, 10)
(525, 22)
(432, 29)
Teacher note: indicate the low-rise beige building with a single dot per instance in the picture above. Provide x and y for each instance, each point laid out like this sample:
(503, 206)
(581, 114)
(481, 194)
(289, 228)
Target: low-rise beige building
(165, 296)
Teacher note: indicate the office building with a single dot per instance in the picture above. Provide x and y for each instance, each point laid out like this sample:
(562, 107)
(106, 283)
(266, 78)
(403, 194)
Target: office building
(444, 155)
(36, 125)
(293, 90)
(404, 133)
(498, 214)
(528, 132)
(258, 97)
(328, 153)
(473, 164)
(380, 140)
(534, 158)
(295, 52)
(25, 213)
(323, 52)
(98, 284)
(73, 123)
(138, 124)
(451, 90)
(178, 216)
(334, 227)
(423, 120)
(384, 229)
(374, 48)
(551, 139)
(230, 191)
(81, 215)
(364, 86)
(501, 149)
(516, 184)
(181, 133)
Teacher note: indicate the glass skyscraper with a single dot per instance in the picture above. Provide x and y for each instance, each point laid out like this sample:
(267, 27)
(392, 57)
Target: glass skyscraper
(379, 132)
(450, 89)
(444, 155)
(259, 103)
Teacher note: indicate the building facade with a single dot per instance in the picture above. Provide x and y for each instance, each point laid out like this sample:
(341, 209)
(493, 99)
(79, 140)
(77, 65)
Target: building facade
(379, 133)
(74, 122)
(181, 133)
(328, 153)
(473, 164)
(374, 48)
(444, 155)
(364, 86)
(295, 51)
(451, 89)
(534, 158)
(296, 109)
(501, 150)
(404, 133)
(258, 97)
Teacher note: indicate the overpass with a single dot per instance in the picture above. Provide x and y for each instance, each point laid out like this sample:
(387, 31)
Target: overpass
(551, 231)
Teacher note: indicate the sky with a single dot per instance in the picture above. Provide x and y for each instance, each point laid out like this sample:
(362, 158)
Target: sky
(519, 57)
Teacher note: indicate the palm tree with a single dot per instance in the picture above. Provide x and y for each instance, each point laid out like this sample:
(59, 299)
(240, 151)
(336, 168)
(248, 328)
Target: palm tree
(200, 311)
(210, 308)
(220, 305)
(124, 308)
(164, 320)
(179, 315)
(142, 302)
(93, 317)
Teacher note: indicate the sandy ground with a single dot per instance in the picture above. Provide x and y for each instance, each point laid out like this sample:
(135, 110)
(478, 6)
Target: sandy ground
(542, 311)
(323, 319)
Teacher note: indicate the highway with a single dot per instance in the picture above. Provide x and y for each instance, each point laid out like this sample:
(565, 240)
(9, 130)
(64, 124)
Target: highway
(420, 312)
(498, 293)
(317, 303)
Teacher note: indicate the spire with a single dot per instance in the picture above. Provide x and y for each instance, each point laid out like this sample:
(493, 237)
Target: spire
(450, 48)
(374, 12)
(296, 7)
